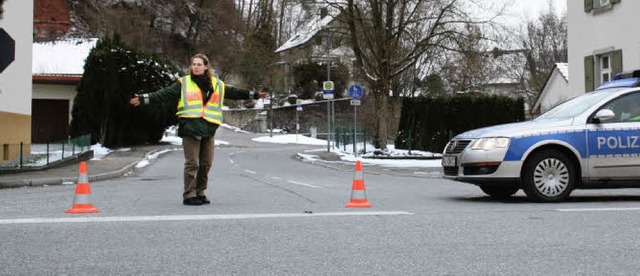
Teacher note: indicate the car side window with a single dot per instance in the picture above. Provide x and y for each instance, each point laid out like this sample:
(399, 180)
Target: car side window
(625, 108)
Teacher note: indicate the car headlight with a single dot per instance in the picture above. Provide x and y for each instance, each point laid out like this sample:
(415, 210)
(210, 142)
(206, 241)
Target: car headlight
(490, 143)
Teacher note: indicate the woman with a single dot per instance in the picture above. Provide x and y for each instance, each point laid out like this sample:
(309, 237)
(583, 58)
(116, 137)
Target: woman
(201, 96)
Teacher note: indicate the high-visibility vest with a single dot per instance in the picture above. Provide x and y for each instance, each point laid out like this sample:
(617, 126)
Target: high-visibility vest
(191, 106)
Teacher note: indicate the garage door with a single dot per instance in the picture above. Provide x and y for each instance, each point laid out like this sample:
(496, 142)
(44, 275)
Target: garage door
(49, 120)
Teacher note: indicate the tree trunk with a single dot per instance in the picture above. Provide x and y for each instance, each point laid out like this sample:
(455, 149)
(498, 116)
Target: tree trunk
(381, 100)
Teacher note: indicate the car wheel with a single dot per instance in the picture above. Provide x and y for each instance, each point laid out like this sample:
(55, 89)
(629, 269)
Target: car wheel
(548, 176)
(499, 192)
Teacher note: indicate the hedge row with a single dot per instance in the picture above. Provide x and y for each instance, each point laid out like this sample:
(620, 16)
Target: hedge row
(429, 123)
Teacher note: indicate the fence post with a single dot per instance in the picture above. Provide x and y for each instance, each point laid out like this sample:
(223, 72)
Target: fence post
(410, 141)
(364, 140)
(21, 154)
(62, 150)
(355, 140)
(47, 152)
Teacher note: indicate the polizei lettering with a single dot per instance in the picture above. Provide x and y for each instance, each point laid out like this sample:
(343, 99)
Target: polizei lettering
(618, 142)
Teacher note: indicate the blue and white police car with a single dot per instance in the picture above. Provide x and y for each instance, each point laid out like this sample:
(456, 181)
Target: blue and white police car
(591, 141)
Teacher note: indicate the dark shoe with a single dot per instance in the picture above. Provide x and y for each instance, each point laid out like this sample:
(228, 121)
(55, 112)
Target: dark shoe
(192, 201)
(204, 200)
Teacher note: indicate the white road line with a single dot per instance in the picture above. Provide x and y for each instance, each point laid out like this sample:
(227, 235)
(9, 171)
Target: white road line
(599, 209)
(251, 172)
(303, 184)
(197, 217)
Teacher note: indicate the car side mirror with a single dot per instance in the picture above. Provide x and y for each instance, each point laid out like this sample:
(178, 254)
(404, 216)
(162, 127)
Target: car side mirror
(603, 115)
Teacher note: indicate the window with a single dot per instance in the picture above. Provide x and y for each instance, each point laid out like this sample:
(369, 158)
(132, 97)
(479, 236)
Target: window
(625, 108)
(600, 68)
(597, 6)
(605, 68)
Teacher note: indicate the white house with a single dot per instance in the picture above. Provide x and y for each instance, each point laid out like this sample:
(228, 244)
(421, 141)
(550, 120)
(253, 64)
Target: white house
(556, 90)
(16, 37)
(57, 68)
(602, 41)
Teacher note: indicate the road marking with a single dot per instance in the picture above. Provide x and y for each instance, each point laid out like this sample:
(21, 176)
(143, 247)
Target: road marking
(599, 209)
(251, 172)
(198, 217)
(303, 184)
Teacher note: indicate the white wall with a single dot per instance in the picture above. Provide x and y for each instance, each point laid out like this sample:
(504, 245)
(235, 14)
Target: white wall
(555, 92)
(591, 33)
(15, 80)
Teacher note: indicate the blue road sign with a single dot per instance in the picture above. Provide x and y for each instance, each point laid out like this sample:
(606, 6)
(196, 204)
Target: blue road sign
(355, 91)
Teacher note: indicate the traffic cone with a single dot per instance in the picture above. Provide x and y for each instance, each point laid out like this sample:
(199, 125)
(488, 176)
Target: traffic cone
(81, 202)
(358, 192)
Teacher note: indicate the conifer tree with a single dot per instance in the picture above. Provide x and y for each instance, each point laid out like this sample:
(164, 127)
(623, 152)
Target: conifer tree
(112, 74)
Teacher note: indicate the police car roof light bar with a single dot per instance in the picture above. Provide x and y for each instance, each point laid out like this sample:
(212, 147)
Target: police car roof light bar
(627, 75)
(628, 82)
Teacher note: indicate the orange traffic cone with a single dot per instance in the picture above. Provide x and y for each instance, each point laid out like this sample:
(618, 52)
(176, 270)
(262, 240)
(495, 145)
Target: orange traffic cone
(81, 202)
(358, 193)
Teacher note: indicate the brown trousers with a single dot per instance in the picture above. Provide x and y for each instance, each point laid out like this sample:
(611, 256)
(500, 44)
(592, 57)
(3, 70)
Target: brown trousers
(198, 159)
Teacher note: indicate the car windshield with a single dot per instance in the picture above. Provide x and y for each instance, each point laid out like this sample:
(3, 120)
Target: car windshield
(576, 106)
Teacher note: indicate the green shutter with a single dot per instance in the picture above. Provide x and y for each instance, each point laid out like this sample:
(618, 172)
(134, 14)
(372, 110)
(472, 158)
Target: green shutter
(588, 74)
(588, 5)
(616, 62)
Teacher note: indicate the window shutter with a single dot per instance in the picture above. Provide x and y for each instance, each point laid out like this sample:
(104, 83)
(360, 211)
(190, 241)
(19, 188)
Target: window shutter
(588, 5)
(588, 74)
(616, 62)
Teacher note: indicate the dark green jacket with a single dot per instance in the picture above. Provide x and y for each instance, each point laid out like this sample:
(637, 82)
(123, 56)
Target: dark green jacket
(195, 127)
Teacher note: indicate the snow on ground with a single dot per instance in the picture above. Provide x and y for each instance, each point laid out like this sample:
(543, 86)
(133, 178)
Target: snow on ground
(398, 158)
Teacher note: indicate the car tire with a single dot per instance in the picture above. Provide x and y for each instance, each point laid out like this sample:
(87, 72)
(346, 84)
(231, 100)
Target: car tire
(548, 176)
(499, 192)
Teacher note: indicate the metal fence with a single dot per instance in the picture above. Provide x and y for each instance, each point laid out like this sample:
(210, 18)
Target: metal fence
(24, 155)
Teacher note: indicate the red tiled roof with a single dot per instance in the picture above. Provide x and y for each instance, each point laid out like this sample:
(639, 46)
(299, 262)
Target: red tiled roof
(56, 79)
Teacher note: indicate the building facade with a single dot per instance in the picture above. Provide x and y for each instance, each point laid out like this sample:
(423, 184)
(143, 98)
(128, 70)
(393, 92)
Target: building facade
(15, 79)
(602, 41)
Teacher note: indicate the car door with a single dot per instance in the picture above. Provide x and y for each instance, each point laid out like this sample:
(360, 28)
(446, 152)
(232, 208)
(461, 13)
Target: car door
(614, 145)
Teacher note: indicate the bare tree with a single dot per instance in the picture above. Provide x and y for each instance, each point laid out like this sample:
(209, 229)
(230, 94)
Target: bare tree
(391, 36)
(176, 28)
(545, 40)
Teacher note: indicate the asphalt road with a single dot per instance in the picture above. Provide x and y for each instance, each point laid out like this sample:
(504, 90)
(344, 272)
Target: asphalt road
(275, 215)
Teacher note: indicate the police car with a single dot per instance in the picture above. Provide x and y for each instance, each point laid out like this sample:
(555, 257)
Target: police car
(591, 141)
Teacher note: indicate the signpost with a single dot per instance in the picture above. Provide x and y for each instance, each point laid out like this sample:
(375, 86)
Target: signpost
(298, 109)
(327, 93)
(355, 92)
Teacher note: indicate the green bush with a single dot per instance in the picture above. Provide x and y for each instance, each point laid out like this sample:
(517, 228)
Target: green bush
(112, 74)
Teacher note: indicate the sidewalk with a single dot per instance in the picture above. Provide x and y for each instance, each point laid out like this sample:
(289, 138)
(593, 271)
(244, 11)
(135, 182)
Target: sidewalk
(113, 165)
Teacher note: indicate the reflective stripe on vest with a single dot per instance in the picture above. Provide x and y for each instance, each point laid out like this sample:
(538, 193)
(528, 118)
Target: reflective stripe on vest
(190, 104)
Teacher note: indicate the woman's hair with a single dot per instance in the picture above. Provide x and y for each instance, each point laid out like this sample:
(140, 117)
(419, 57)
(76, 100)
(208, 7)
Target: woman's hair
(205, 61)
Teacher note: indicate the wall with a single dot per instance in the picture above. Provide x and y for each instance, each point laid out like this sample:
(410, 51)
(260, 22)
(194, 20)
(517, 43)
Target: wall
(556, 91)
(15, 80)
(595, 32)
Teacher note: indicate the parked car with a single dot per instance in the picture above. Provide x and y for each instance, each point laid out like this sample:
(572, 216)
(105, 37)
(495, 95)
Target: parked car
(591, 141)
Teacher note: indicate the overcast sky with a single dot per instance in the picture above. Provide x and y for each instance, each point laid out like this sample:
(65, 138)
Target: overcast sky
(530, 8)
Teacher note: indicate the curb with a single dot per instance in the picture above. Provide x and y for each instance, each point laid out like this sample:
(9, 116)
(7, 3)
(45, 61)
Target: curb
(95, 177)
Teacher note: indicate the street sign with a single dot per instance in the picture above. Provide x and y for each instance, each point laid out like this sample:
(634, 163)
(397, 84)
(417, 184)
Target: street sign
(7, 50)
(299, 108)
(327, 90)
(355, 92)
(355, 102)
